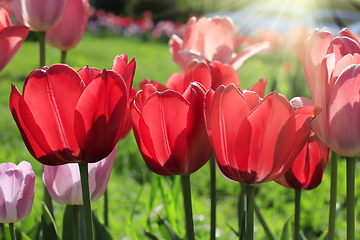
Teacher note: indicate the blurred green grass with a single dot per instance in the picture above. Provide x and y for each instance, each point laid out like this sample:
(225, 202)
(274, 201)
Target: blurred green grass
(133, 189)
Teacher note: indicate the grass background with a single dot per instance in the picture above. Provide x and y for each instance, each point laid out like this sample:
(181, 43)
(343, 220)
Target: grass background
(138, 197)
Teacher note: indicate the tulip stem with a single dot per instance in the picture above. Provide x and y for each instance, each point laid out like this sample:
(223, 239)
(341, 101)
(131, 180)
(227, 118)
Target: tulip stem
(249, 212)
(42, 48)
(76, 218)
(350, 197)
(297, 214)
(84, 174)
(63, 56)
(106, 208)
(12, 231)
(333, 194)
(186, 188)
(242, 209)
(213, 197)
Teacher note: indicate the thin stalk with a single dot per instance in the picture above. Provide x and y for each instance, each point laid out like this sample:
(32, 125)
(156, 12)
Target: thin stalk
(212, 197)
(12, 231)
(63, 56)
(242, 207)
(249, 212)
(261, 219)
(84, 174)
(333, 194)
(350, 197)
(42, 48)
(106, 208)
(185, 183)
(76, 218)
(297, 214)
(48, 202)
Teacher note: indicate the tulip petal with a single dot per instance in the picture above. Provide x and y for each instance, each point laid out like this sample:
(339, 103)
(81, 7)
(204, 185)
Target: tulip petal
(169, 142)
(259, 87)
(223, 74)
(26, 196)
(100, 115)
(344, 113)
(246, 53)
(11, 39)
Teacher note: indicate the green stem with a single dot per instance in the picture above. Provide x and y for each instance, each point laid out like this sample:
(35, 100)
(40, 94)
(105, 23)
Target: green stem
(12, 231)
(242, 209)
(249, 212)
(42, 48)
(212, 197)
(63, 56)
(106, 208)
(48, 202)
(297, 214)
(350, 197)
(76, 218)
(333, 194)
(261, 219)
(84, 174)
(185, 183)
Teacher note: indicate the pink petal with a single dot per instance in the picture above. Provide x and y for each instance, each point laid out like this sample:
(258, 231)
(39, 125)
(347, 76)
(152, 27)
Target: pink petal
(246, 53)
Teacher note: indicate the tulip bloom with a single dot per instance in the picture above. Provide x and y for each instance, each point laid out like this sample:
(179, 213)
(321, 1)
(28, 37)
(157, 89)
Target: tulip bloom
(11, 38)
(17, 189)
(66, 116)
(210, 75)
(199, 42)
(64, 185)
(254, 139)
(307, 170)
(169, 129)
(332, 74)
(68, 33)
(39, 15)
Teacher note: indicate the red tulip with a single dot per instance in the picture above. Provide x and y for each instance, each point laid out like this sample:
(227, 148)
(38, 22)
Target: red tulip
(11, 38)
(17, 189)
(68, 33)
(210, 75)
(254, 139)
(169, 129)
(307, 170)
(39, 15)
(211, 39)
(335, 89)
(66, 116)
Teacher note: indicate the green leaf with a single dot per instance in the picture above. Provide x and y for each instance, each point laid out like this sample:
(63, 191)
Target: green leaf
(324, 235)
(49, 229)
(34, 232)
(101, 231)
(4, 232)
(21, 235)
(261, 219)
(150, 235)
(286, 232)
(68, 223)
(165, 229)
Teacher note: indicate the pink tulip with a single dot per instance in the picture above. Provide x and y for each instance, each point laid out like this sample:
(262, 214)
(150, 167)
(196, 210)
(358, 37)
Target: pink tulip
(210, 39)
(336, 89)
(11, 38)
(64, 184)
(68, 33)
(17, 189)
(39, 15)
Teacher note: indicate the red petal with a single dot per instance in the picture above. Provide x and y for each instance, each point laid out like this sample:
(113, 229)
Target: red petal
(100, 115)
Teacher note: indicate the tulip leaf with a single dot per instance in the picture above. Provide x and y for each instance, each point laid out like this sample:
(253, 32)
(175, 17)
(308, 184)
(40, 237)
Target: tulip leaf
(166, 230)
(150, 235)
(34, 232)
(324, 235)
(49, 229)
(101, 231)
(286, 232)
(233, 230)
(21, 235)
(261, 219)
